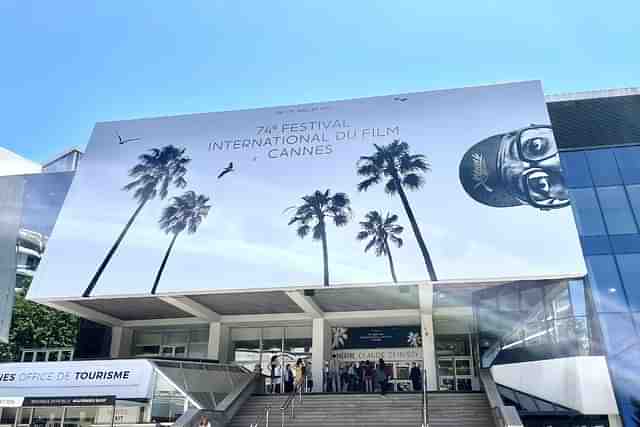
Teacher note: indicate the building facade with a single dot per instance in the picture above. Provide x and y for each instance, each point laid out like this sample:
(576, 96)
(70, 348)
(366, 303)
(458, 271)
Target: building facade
(561, 347)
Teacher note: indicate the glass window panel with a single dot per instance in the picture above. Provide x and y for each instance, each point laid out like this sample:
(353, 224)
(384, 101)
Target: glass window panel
(536, 333)
(605, 284)
(530, 298)
(604, 169)
(200, 336)
(245, 334)
(148, 338)
(52, 356)
(174, 338)
(27, 356)
(8, 415)
(198, 350)
(25, 415)
(80, 417)
(617, 331)
(508, 299)
(616, 210)
(629, 162)
(587, 212)
(558, 304)
(576, 289)
(66, 355)
(299, 332)
(575, 169)
(49, 417)
(634, 197)
(41, 356)
(629, 265)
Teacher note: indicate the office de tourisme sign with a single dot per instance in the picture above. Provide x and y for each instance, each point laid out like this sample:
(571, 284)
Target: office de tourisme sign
(121, 378)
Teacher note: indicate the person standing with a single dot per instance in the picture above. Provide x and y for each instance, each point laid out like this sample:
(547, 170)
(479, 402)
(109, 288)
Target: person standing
(381, 376)
(368, 377)
(334, 374)
(416, 377)
(274, 378)
(288, 379)
(298, 374)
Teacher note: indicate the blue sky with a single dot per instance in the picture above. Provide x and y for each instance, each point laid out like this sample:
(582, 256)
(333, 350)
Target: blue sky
(67, 65)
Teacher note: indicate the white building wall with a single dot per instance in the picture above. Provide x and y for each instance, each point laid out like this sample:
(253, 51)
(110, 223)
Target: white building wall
(581, 383)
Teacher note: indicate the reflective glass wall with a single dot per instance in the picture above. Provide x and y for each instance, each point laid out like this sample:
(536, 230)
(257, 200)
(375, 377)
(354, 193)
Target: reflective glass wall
(526, 321)
(604, 186)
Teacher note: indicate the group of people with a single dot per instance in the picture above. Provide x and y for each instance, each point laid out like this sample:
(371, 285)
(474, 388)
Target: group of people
(364, 376)
(288, 378)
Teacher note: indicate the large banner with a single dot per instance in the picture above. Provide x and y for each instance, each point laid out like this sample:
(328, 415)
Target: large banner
(452, 184)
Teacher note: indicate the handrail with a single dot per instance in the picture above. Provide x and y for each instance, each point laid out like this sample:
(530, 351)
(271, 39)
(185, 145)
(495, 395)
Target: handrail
(290, 402)
(264, 415)
(504, 415)
(425, 400)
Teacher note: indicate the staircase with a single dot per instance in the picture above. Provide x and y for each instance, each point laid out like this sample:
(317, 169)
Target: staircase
(371, 410)
(459, 410)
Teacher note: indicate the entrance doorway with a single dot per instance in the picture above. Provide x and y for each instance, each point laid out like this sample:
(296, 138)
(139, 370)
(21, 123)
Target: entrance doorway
(455, 373)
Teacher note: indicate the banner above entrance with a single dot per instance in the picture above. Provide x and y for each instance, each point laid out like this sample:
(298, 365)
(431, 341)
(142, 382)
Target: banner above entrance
(451, 184)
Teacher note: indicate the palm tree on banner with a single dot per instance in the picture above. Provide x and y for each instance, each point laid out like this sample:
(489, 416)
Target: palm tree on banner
(185, 212)
(312, 216)
(394, 164)
(156, 172)
(380, 230)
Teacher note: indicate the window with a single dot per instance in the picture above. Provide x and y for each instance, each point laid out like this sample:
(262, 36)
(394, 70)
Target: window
(618, 332)
(587, 212)
(605, 284)
(616, 210)
(8, 415)
(629, 163)
(634, 197)
(576, 290)
(629, 265)
(604, 169)
(575, 169)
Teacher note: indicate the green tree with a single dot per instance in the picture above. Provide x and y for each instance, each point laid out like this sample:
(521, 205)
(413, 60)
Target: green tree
(155, 173)
(312, 216)
(379, 230)
(185, 212)
(400, 169)
(36, 326)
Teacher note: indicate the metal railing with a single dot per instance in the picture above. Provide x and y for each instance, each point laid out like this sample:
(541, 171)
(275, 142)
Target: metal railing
(425, 400)
(504, 415)
(291, 403)
(264, 416)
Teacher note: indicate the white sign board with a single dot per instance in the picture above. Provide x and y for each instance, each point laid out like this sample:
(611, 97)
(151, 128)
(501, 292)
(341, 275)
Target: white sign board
(129, 378)
(408, 354)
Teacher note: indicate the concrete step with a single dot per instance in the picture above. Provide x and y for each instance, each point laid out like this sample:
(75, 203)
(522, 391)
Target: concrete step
(372, 410)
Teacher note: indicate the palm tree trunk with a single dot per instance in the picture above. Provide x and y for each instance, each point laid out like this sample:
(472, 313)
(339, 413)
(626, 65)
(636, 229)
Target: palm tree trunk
(112, 251)
(393, 270)
(164, 263)
(325, 254)
(416, 231)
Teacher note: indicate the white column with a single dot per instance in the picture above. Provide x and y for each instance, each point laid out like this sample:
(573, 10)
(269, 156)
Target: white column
(429, 351)
(218, 342)
(425, 293)
(320, 351)
(121, 341)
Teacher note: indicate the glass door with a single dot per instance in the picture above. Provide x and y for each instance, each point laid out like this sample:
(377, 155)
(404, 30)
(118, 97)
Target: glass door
(455, 373)
(446, 374)
(401, 381)
(464, 373)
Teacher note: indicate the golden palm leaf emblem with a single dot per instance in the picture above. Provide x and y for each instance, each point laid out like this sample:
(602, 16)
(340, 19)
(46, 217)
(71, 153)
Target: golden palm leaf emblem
(480, 173)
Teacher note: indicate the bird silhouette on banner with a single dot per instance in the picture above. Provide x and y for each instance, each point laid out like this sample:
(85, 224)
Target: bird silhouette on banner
(226, 170)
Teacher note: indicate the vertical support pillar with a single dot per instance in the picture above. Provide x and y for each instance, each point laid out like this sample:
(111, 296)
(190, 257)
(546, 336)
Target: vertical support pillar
(121, 342)
(425, 292)
(217, 348)
(321, 351)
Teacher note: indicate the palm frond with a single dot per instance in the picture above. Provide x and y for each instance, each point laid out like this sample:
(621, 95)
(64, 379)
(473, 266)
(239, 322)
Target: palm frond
(303, 231)
(413, 181)
(365, 184)
(396, 240)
